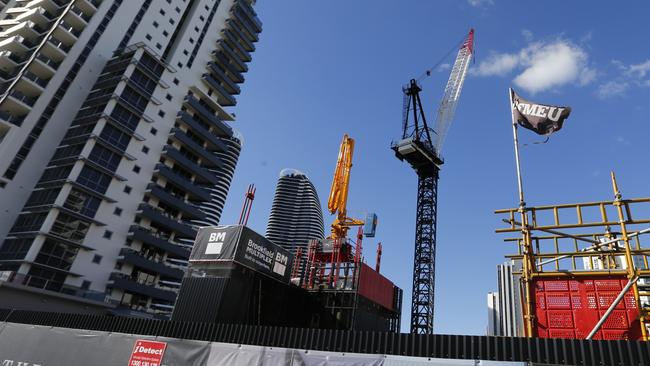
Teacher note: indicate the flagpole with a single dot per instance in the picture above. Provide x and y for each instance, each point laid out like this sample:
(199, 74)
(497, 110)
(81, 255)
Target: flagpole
(522, 203)
(527, 262)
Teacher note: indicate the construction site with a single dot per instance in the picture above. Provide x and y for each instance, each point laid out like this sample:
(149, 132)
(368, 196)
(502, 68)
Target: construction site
(574, 288)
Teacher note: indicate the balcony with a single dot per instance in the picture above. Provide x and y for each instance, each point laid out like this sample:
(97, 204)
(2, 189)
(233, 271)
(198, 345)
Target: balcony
(157, 240)
(24, 102)
(214, 143)
(200, 172)
(124, 282)
(189, 210)
(10, 118)
(59, 45)
(244, 25)
(36, 80)
(232, 56)
(135, 258)
(224, 98)
(207, 157)
(207, 115)
(47, 63)
(181, 182)
(161, 217)
(10, 60)
(224, 61)
(232, 39)
(78, 16)
(69, 31)
(234, 28)
(249, 14)
(219, 74)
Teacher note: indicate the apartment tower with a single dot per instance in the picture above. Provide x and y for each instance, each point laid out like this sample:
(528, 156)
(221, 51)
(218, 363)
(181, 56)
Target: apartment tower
(115, 140)
(296, 216)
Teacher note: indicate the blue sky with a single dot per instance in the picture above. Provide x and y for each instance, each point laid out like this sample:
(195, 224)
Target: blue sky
(327, 68)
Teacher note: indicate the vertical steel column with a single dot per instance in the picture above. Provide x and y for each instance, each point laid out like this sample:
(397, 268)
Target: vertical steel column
(424, 262)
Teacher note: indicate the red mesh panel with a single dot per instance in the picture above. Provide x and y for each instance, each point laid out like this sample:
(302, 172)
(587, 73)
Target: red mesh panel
(615, 335)
(560, 319)
(558, 301)
(608, 285)
(556, 286)
(616, 320)
(561, 333)
(571, 308)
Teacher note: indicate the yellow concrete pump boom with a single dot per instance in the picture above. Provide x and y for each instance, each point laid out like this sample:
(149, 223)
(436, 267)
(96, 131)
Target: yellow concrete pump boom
(338, 199)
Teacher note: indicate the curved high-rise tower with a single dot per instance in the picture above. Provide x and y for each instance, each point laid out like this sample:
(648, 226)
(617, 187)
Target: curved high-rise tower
(219, 191)
(296, 216)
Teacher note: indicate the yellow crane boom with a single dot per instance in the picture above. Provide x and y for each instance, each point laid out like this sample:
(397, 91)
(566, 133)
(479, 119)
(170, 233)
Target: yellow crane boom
(338, 198)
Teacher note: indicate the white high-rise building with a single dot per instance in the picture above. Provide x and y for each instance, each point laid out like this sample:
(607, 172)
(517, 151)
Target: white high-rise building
(504, 306)
(113, 139)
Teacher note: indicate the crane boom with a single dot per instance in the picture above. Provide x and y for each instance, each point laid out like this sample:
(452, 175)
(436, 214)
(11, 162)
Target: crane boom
(450, 98)
(338, 198)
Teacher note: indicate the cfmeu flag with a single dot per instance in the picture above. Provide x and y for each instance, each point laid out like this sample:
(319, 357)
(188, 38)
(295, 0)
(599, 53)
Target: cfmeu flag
(541, 118)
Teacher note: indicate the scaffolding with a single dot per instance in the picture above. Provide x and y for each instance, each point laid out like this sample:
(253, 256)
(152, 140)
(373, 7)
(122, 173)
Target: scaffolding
(593, 243)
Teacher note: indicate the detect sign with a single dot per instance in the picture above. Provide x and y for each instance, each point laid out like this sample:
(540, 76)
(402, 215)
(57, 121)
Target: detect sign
(147, 353)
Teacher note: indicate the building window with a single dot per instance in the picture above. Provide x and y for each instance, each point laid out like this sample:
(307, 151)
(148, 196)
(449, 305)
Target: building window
(108, 234)
(165, 33)
(178, 10)
(162, 12)
(171, 21)
(168, 97)
(176, 81)
(185, 52)
(136, 168)
(148, 37)
(85, 285)
(159, 46)
(97, 258)
(191, 40)
(153, 131)
(155, 24)
(161, 113)
(127, 189)
(180, 65)
(117, 211)
(145, 149)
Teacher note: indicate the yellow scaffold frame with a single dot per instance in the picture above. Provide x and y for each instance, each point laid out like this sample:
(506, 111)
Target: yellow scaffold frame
(536, 258)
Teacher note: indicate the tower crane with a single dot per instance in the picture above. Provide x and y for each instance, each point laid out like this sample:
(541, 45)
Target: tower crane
(421, 147)
(338, 198)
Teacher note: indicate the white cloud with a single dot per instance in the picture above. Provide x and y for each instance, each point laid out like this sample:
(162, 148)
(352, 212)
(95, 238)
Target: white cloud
(612, 88)
(543, 66)
(527, 34)
(478, 3)
(639, 70)
(496, 64)
(553, 65)
(443, 67)
(630, 76)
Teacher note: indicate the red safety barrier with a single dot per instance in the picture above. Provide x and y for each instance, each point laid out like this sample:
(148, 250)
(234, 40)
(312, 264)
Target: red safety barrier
(571, 308)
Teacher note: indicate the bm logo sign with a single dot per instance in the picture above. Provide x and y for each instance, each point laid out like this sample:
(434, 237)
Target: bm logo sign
(215, 243)
(280, 265)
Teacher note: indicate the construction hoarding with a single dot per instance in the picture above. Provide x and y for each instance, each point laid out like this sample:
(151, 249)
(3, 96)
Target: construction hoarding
(32, 345)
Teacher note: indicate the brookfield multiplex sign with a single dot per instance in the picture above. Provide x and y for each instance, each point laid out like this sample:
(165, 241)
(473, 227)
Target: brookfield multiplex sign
(240, 244)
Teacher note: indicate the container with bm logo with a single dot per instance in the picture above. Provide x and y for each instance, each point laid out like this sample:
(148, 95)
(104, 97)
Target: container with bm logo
(239, 244)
